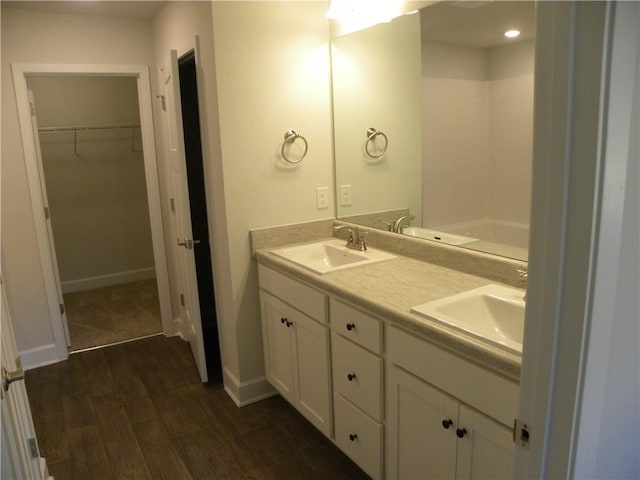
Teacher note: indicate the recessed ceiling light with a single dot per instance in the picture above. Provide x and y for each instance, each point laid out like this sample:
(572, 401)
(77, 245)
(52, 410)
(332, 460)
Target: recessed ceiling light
(512, 33)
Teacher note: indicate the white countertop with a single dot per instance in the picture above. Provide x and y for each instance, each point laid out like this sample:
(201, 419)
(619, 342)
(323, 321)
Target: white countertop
(389, 289)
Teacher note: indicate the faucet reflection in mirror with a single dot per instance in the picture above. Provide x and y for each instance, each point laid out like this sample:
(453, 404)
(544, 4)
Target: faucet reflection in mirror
(465, 174)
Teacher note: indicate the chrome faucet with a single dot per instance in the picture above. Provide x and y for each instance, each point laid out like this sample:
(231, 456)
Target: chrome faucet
(397, 225)
(355, 240)
(524, 273)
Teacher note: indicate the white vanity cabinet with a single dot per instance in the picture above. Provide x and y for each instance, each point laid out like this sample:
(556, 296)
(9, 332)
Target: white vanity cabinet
(433, 434)
(358, 386)
(296, 345)
(398, 405)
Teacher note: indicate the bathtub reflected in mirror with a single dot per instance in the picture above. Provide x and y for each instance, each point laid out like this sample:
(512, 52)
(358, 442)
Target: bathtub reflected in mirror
(466, 173)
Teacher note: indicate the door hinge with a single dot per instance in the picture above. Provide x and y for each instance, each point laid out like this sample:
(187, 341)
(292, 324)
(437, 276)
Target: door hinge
(182, 299)
(32, 108)
(172, 201)
(521, 433)
(163, 102)
(46, 213)
(33, 447)
(62, 310)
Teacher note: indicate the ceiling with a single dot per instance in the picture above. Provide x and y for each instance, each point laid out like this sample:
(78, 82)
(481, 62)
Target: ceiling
(121, 8)
(471, 23)
(478, 24)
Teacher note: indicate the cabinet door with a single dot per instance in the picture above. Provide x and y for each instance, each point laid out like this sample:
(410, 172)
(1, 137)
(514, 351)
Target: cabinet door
(419, 446)
(311, 351)
(486, 450)
(276, 329)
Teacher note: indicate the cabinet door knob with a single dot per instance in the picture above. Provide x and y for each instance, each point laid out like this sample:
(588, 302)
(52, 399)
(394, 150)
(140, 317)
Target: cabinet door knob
(289, 323)
(283, 320)
(351, 326)
(353, 437)
(446, 423)
(461, 432)
(351, 377)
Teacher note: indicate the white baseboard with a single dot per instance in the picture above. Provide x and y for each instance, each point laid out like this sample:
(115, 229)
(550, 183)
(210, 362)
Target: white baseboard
(244, 393)
(39, 356)
(108, 280)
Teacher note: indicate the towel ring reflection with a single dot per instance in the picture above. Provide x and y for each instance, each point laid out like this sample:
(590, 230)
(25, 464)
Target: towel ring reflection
(290, 136)
(372, 133)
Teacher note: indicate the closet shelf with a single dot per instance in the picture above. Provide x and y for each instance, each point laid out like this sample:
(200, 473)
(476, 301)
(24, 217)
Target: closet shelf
(88, 128)
(85, 128)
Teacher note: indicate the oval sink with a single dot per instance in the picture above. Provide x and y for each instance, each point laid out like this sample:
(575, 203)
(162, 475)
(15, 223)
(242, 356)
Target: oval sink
(330, 255)
(492, 313)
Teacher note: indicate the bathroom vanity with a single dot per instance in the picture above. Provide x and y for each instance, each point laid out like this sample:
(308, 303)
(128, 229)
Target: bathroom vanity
(403, 396)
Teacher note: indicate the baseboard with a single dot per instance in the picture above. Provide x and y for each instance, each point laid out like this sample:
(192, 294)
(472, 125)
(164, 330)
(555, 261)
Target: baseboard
(108, 280)
(39, 356)
(244, 393)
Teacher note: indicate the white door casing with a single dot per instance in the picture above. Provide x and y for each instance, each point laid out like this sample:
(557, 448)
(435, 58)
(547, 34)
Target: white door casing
(141, 73)
(190, 324)
(20, 452)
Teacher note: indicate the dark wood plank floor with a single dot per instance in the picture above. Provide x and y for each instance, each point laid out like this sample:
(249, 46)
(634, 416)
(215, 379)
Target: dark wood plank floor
(138, 411)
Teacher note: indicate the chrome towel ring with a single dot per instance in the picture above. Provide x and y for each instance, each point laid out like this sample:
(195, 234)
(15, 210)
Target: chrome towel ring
(290, 136)
(372, 133)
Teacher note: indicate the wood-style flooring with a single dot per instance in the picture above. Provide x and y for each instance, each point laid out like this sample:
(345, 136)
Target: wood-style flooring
(102, 316)
(139, 411)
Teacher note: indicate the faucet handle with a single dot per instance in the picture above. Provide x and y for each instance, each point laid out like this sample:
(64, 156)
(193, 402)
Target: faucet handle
(362, 245)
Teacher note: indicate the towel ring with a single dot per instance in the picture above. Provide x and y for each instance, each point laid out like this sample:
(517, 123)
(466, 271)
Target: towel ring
(372, 133)
(290, 136)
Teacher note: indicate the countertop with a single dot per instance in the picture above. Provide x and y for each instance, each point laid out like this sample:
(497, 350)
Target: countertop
(390, 288)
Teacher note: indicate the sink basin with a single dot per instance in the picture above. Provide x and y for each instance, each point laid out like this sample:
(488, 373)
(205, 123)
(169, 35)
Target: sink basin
(493, 313)
(330, 255)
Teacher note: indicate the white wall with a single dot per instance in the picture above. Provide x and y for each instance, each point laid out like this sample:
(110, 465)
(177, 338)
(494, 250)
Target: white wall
(272, 67)
(35, 37)
(477, 130)
(456, 131)
(608, 436)
(97, 198)
(377, 84)
(510, 79)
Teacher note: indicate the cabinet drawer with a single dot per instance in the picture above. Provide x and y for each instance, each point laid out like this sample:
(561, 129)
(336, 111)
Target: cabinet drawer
(355, 325)
(491, 394)
(304, 298)
(357, 375)
(358, 436)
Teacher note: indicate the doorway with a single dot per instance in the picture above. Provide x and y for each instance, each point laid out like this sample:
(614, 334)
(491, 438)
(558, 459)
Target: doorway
(37, 190)
(187, 71)
(94, 178)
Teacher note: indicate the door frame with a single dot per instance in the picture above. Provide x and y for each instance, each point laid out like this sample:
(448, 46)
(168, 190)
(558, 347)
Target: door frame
(20, 73)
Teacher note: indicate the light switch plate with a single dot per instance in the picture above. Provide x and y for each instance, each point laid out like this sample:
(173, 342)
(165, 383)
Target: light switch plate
(345, 195)
(322, 197)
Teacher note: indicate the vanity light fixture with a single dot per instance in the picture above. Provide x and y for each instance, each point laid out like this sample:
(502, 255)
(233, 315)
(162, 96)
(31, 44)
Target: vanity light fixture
(512, 33)
(358, 14)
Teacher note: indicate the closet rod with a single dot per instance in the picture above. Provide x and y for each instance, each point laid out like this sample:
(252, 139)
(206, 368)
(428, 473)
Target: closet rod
(85, 128)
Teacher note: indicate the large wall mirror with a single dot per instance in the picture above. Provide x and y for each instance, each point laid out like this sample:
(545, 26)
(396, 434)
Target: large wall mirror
(433, 117)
